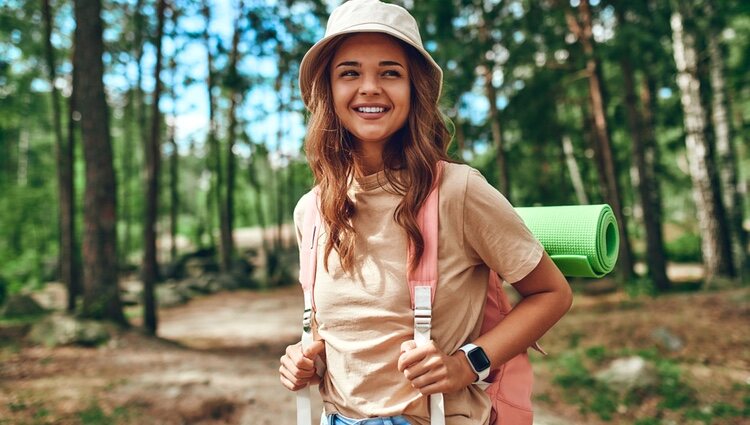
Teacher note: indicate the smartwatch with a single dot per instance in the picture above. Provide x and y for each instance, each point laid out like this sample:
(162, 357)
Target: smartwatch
(478, 360)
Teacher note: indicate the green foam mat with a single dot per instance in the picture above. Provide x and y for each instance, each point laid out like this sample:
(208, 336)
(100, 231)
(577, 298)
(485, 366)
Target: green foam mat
(582, 240)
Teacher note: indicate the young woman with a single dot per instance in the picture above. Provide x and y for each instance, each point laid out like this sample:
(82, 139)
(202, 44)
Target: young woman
(374, 143)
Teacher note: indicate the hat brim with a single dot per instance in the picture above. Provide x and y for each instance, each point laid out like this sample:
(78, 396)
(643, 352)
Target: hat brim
(311, 61)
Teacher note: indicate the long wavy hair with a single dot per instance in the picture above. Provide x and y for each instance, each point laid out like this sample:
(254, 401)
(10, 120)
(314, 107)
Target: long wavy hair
(414, 151)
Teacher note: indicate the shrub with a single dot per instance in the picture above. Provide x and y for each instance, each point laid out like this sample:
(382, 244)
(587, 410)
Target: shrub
(684, 249)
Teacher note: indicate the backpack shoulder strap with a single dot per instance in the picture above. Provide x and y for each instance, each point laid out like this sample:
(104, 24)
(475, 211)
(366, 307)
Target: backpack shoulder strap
(423, 280)
(425, 274)
(309, 244)
(308, 256)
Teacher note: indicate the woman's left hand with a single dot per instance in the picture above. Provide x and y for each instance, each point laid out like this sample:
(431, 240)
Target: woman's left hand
(431, 371)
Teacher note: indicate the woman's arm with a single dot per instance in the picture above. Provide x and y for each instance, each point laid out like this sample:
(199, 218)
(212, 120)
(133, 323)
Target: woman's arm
(547, 297)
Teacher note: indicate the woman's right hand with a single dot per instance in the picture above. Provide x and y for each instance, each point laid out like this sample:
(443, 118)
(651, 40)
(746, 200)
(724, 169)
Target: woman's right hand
(297, 368)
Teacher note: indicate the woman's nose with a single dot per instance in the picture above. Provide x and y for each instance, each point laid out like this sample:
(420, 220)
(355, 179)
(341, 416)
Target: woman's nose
(370, 85)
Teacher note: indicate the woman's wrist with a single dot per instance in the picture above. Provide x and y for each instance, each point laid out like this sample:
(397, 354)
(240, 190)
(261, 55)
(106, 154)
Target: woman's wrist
(465, 373)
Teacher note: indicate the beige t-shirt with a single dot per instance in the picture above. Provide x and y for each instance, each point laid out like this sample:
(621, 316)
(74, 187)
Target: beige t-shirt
(365, 317)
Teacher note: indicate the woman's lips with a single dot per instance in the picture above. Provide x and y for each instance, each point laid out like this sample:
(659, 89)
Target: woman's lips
(370, 112)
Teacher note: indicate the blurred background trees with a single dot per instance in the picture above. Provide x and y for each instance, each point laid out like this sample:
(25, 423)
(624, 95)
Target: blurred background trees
(135, 132)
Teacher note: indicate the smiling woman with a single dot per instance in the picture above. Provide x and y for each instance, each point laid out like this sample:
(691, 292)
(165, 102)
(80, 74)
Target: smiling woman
(371, 96)
(376, 144)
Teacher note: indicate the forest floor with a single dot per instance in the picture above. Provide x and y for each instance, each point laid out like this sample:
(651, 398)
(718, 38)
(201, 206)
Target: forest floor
(216, 361)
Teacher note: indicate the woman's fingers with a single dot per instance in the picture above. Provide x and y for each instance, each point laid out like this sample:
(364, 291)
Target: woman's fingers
(430, 370)
(297, 358)
(410, 355)
(297, 367)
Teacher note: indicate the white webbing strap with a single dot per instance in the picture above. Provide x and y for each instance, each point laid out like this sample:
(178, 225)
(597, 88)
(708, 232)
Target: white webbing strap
(304, 410)
(422, 326)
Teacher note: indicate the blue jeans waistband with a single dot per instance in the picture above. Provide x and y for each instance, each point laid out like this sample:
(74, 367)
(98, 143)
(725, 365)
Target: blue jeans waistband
(336, 419)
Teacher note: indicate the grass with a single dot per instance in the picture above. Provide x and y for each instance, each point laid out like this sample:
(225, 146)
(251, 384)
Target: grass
(674, 395)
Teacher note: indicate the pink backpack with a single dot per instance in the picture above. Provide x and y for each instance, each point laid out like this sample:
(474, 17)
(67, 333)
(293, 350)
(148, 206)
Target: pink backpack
(510, 384)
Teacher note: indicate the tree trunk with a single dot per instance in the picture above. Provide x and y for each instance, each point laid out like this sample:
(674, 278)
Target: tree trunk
(503, 182)
(583, 30)
(153, 165)
(225, 239)
(75, 287)
(649, 189)
(174, 197)
(140, 120)
(252, 178)
(574, 171)
(725, 150)
(278, 182)
(64, 156)
(643, 181)
(235, 98)
(101, 293)
(712, 226)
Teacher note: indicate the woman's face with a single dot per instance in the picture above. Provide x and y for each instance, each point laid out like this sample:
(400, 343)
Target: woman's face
(370, 85)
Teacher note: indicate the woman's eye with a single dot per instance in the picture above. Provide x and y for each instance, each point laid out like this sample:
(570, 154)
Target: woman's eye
(392, 73)
(348, 73)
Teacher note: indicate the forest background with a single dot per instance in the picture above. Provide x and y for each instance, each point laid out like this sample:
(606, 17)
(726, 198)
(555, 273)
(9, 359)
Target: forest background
(140, 139)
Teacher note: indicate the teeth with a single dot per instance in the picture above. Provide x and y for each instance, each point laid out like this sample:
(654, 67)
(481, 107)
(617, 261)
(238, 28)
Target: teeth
(370, 110)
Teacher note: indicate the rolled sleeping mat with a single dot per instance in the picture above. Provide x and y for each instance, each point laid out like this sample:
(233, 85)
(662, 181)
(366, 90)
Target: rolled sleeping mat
(582, 240)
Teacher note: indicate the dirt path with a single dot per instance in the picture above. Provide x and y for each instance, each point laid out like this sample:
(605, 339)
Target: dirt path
(222, 366)
(222, 369)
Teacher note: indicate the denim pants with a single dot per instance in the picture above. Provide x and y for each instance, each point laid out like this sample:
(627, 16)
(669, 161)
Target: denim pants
(336, 419)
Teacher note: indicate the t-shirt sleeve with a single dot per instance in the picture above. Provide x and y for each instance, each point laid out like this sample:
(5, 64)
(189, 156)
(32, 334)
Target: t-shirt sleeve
(495, 234)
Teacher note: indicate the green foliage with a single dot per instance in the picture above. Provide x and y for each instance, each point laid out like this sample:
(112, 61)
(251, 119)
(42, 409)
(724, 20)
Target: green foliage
(582, 389)
(574, 372)
(686, 248)
(94, 415)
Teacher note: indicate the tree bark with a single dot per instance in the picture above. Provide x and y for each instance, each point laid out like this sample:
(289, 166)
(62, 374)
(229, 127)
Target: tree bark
(75, 287)
(649, 189)
(174, 197)
(646, 186)
(503, 182)
(235, 98)
(150, 272)
(101, 293)
(139, 110)
(583, 31)
(712, 226)
(225, 239)
(574, 171)
(725, 150)
(64, 156)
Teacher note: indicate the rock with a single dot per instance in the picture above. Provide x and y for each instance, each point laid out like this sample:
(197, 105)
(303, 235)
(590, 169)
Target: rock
(21, 305)
(171, 294)
(626, 374)
(204, 284)
(61, 329)
(54, 296)
(666, 339)
(229, 281)
(13, 332)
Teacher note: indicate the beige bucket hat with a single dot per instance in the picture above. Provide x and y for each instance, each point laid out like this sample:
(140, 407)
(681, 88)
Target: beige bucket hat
(356, 16)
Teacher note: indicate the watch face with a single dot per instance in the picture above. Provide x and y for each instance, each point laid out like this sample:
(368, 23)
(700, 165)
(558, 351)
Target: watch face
(478, 359)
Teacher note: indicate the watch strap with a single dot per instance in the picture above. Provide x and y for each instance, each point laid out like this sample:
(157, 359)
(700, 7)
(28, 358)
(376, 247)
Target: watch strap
(481, 374)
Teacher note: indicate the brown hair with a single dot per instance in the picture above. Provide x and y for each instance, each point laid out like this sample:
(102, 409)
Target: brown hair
(415, 150)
